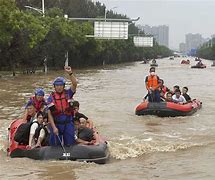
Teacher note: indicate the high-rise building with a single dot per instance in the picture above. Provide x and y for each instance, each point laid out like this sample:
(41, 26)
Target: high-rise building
(193, 41)
(182, 48)
(160, 33)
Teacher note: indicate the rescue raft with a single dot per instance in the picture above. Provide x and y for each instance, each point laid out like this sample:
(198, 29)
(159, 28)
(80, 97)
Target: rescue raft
(199, 66)
(153, 64)
(78, 152)
(185, 61)
(167, 109)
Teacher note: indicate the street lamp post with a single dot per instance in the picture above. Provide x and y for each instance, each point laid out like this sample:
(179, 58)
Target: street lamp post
(43, 8)
(41, 11)
(107, 11)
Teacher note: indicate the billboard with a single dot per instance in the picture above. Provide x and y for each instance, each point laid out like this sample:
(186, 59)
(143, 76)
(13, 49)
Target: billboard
(110, 30)
(143, 41)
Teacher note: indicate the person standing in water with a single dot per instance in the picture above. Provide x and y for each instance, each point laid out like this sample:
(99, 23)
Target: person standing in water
(152, 85)
(60, 114)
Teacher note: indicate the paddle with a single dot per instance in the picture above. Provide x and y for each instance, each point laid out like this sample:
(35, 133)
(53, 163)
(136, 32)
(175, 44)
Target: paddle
(65, 154)
(67, 59)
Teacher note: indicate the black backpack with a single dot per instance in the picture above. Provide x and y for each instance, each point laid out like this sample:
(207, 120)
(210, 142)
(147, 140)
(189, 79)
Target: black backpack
(22, 133)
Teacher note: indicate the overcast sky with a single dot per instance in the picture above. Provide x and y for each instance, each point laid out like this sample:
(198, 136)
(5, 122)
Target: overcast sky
(182, 16)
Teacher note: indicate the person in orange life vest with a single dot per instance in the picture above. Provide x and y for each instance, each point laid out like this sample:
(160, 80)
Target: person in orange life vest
(37, 100)
(152, 85)
(60, 113)
(163, 89)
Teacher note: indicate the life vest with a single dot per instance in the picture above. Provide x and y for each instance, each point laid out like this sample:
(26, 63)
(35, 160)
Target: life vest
(37, 104)
(61, 103)
(152, 82)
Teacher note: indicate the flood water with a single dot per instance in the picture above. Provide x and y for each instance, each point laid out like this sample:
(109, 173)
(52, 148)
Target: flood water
(141, 147)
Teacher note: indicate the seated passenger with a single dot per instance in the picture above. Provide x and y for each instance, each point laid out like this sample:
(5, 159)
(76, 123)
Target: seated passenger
(30, 112)
(84, 134)
(154, 61)
(76, 106)
(169, 97)
(199, 63)
(38, 101)
(22, 133)
(178, 98)
(162, 89)
(38, 132)
(184, 93)
(174, 88)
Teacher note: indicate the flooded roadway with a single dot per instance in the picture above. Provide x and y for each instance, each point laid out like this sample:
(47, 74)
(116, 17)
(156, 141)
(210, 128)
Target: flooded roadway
(142, 147)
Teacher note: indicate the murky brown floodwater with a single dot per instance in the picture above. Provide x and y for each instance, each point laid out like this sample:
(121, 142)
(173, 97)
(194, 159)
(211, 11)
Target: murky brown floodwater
(141, 147)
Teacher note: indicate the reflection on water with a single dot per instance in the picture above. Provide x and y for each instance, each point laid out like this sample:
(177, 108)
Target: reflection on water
(140, 146)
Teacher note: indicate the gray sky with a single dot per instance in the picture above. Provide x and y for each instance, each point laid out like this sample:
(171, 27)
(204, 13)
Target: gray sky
(182, 16)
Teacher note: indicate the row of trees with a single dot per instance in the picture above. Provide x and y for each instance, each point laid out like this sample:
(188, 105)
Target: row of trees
(27, 38)
(207, 51)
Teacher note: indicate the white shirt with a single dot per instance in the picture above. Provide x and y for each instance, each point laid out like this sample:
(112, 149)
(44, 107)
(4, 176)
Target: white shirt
(34, 126)
(181, 99)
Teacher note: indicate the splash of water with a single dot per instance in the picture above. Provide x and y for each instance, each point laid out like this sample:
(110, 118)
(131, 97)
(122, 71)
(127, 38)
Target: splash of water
(131, 147)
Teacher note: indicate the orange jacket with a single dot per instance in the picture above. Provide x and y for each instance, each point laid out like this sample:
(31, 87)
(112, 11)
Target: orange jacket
(61, 104)
(152, 82)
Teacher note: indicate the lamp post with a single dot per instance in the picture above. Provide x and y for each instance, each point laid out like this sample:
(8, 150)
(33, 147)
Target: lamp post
(41, 11)
(109, 10)
(43, 7)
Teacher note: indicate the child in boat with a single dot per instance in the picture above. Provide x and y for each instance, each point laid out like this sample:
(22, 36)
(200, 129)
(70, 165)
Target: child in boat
(178, 98)
(185, 94)
(38, 132)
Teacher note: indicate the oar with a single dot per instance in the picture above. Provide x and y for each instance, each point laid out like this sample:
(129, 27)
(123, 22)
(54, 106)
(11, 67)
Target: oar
(64, 150)
(67, 59)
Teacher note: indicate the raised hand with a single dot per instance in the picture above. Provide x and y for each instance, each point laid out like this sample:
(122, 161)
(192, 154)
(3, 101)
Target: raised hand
(68, 69)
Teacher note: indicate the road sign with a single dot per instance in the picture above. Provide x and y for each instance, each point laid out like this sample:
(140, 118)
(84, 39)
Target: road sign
(143, 41)
(110, 30)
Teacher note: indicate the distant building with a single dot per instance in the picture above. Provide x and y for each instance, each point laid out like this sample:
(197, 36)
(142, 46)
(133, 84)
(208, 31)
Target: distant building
(160, 33)
(193, 41)
(182, 48)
